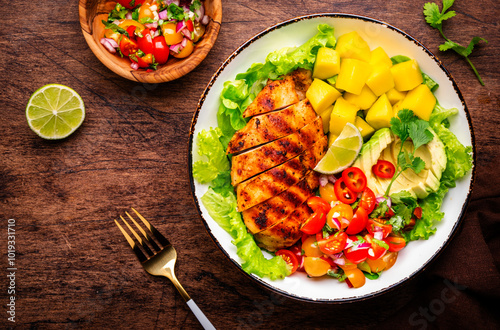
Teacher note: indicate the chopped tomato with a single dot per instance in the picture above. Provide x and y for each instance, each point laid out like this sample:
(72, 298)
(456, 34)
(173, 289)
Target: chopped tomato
(356, 254)
(395, 243)
(297, 251)
(343, 193)
(377, 265)
(169, 32)
(161, 50)
(146, 42)
(376, 251)
(316, 266)
(130, 4)
(355, 277)
(374, 226)
(184, 52)
(317, 203)
(128, 46)
(339, 214)
(417, 212)
(310, 247)
(354, 179)
(290, 259)
(358, 222)
(327, 192)
(130, 31)
(384, 169)
(144, 61)
(333, 244)
(368, 200)
(189, 25)
(315, 223)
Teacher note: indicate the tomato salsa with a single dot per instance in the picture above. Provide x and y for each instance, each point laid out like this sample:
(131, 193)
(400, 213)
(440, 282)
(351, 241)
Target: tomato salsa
(147, 32)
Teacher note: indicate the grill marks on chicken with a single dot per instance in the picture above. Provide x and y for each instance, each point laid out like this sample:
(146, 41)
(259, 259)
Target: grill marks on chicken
(272, 182)
(273, 160)
(271, 126)
(254, 161)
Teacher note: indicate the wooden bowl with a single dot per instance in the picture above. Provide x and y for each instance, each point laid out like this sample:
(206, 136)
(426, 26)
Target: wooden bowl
(92, 12)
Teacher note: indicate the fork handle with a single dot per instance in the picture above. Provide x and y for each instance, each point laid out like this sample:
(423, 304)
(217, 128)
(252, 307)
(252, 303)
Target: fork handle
(205, 323)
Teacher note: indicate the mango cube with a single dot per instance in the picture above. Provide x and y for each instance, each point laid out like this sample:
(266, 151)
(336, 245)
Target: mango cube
(353, 75)
(395, 96)
(380, 57)
(380, 80)
(351, 45)
(321, 95)
(363, 127)
(327, 63)
(406, 75)
(380, 114)
(396, 107)
(363, 100)
(325, 115)
(421, 101)
(343, 112)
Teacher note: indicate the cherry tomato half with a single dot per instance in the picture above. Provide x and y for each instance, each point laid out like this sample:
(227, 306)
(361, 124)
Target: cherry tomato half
(172, 37)
(315, 223)
(368, 200)
(358, 222)
(343, 193)
(376, 251)
(161, 50)
(317, 203)
(316, 266)
(128, 46)
(144, 61)
(354, 254)
(354, 179)
(395, 243)
(297, 250)
(289, 258)
(327, 192)
(374, 226)
(417, 212)
(310, 247)
(333, 244)
(340, 212)
(384, 169)
(186, 51)
(356, 277)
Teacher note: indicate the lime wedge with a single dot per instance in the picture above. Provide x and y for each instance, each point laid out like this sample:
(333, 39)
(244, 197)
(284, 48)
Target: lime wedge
(55, 111)
(342, 152)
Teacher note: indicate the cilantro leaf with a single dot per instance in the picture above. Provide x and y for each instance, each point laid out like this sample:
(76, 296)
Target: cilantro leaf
(419, 133)
(399, 59)
(435, 19)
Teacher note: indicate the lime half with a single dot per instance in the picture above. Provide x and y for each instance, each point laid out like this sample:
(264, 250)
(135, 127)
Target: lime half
(342, 152)
(55, 111)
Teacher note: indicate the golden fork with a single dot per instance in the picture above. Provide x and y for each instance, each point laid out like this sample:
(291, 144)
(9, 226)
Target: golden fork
(161, 261)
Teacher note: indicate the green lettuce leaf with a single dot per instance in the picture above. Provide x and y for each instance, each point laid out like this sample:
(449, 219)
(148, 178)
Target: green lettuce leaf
(211, 148)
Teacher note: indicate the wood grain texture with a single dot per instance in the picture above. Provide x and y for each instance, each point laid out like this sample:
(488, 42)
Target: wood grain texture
(92, 12)
(74, 267)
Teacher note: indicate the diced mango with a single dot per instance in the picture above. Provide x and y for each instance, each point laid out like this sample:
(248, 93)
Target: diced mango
(321, 95)
(421, 101)
(395, 96)
(406, 75)
(343, 112)
(379, 56)
(380, 80)
(353, 75)
(351, 45)
(396, 107)
(327, 63)
(364, 128)
(380, 114)
(325, 115)
(363, 100)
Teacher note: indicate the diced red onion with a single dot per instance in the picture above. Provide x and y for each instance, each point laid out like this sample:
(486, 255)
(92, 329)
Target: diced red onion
(348, 243)
(180, 25)
(338, 255)
(134, 66)
(175, 48)
(336, 223)
(109, 44)
(156, 34)
(345, 221)
(323, 180)
(184, 43)
(129, 15)
(163, 14)
(185, 32)
(362, 246)
(116, 22)
(378, 235)
(153, 7)
(332, 178)
(173, 1)
(153, 25)
(382, 198)
(339, 261)
(205, 20)
(200, 13)
(371, 253)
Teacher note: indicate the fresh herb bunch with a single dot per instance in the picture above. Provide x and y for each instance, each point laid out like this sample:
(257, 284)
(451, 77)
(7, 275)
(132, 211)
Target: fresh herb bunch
(435, 18)
(407, 125)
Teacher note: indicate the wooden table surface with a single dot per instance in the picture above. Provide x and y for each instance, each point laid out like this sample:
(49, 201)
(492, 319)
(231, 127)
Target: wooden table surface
(74, 269)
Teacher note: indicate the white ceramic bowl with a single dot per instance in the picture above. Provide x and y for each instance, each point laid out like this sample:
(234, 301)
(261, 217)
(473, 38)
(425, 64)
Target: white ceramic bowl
(417, 255)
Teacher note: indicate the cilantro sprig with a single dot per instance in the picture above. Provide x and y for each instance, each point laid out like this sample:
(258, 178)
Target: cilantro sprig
(435, 18)
(407, 125)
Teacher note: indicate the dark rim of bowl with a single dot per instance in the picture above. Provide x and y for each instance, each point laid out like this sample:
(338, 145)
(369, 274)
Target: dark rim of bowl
(190, 158)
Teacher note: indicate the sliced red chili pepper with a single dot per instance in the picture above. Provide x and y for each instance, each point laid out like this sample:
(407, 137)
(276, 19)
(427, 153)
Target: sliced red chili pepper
(354, 179)
(343, 193)
(384, 169)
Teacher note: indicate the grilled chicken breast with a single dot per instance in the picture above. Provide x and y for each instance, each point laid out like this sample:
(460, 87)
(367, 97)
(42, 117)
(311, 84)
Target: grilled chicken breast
(272, 182)
(275, 95)
(279, 207)
(286, 232)
(271, 126)
(254, 161)
(302, 79)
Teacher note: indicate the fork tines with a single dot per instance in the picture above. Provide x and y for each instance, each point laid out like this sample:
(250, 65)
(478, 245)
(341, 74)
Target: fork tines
(146, 238)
